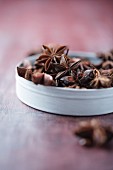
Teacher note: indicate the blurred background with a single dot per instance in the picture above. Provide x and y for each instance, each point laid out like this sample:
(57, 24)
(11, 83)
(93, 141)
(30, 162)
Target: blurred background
(85, 25)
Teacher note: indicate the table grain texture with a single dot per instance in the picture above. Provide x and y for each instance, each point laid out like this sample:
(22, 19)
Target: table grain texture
(32, 139)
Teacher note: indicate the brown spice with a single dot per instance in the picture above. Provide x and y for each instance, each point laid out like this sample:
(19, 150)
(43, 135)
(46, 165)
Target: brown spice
(51, 54)
(28, 74)
(93, 133)
(37, 77)
(107, 65)
(105, 56)
(21, 71)
(64, 71)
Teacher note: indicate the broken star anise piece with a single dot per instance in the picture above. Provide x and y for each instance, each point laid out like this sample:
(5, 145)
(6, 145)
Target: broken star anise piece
(25, 73)
(21, 71)
(48, 80)
(28, 74)
(93, 133)
(42, 78)
(38, 78)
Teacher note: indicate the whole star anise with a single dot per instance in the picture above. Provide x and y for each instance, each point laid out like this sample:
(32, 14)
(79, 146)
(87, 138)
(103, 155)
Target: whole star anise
(51, 54)
(93, 133)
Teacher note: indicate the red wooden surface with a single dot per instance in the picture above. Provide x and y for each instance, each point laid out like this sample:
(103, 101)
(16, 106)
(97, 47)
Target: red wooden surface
(31, 139)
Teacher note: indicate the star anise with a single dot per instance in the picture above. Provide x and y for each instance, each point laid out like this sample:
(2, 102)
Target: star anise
(28, 74)
(21, 71)
(25, 73)
(107, 65)
(66, 81)
(93, 133)
(42, 78)
(58, 69)
(81, 67)
(86, 77)
(51, 54)
(25, 69)
(66, 74)
(84, 65)
(105, 56)
(108, 72)
(100, 81)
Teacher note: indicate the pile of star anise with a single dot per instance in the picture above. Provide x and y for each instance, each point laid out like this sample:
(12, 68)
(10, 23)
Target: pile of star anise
(93, 133)
(54, 67)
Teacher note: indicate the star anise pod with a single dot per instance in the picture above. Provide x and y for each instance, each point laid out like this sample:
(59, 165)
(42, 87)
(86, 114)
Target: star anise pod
(84, 65)
(105, 56)
(86, 77)
(42, 78)
(55, 49)
(100, 81)
(21, 71)
(107, 65)
(66, 81)
(81, 67)
(93, 133)
(108, 73)
(66, 74)
(27, 72)
(51, 54)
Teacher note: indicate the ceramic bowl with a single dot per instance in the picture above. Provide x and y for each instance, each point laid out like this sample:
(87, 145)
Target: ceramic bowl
(65, 101)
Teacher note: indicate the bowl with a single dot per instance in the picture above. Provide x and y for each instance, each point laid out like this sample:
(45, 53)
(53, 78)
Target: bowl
(65, 101)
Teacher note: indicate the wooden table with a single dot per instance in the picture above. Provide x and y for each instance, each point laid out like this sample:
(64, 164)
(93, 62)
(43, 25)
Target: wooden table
(35, 140)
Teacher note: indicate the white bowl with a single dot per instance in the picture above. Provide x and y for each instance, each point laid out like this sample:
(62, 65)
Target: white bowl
(65, 101)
